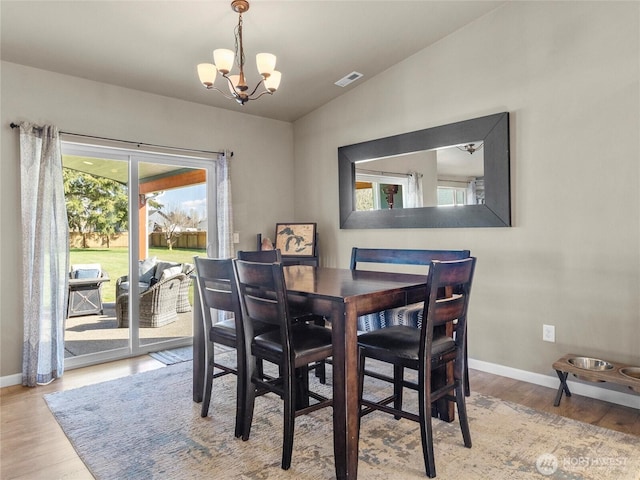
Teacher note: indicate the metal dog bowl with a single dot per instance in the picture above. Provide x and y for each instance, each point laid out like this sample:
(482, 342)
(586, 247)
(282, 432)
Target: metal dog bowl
(633, 373)
(591, 364)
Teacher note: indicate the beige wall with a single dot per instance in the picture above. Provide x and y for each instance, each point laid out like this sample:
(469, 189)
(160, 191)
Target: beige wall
(261, 171)
(568, 74)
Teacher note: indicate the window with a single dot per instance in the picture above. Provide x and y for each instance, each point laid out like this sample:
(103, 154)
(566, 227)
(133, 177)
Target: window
(451, 196)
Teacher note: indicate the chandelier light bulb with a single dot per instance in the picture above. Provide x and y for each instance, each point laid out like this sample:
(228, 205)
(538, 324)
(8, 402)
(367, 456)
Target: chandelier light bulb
(223, 59)
(266, 63)
(233, 84)
(273, 81)
(207, 73)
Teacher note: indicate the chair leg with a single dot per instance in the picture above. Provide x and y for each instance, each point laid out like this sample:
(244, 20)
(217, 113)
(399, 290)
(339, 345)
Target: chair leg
(467, 387)
(249, 399)
(426, 430)
(241, 393)
(321, 366)
(361, 362)
(289, 421)
(208, 382)
(462, 414)
(398, 378)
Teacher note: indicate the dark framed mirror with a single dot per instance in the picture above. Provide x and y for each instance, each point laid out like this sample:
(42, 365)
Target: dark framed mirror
(491, 131)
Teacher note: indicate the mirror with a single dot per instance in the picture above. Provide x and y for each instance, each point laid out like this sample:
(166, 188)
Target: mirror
(492, 208)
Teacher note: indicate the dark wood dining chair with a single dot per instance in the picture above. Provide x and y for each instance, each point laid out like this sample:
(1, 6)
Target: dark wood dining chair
(217, 288)
(293, 346)
(396, 256)
(298, 314)
(262, 256)
(428, 354)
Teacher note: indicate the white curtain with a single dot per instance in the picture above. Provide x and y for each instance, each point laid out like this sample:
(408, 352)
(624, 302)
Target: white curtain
(45, 241)
(224, 216)
(414, 191)
(471, 193)
(223, 208)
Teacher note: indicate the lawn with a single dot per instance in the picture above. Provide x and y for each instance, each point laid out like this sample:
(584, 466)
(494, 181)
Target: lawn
(115, 261)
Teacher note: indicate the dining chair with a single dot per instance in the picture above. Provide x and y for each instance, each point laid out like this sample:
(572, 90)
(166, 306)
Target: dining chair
(410, 314)
(293, 346)
(426, 353)
(297, 313)
(218, 290)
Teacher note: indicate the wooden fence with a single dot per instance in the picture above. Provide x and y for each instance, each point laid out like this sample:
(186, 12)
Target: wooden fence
(191, 240)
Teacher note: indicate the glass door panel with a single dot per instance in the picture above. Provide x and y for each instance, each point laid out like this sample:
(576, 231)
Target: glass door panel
(172, 217)
(141, 217)
(96, 193)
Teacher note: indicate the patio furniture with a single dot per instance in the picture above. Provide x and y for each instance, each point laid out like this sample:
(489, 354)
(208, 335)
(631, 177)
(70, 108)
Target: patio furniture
(151, 270)
(157, 303)
(85, 290)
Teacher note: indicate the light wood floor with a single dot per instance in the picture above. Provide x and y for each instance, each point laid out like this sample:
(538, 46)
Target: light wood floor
(33, 446)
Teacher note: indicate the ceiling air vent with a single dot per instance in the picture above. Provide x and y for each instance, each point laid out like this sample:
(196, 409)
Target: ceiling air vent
(352, 77)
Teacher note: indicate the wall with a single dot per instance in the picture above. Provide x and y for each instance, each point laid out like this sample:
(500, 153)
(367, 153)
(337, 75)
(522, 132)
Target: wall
(568, 74)
(261, 171)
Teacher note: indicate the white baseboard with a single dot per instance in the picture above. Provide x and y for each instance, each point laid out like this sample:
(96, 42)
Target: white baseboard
(586, 390)
(10, 380)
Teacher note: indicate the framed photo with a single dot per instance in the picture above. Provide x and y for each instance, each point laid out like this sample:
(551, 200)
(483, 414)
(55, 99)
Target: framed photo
(296, 239)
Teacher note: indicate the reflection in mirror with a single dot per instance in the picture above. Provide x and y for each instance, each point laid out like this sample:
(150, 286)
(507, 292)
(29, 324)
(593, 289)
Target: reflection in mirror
(455, 175)
(444, 177)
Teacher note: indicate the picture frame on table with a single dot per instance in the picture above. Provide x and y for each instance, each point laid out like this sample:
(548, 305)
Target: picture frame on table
(296, 239)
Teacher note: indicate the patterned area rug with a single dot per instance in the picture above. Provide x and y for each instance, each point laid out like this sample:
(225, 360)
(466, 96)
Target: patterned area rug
(146, 426)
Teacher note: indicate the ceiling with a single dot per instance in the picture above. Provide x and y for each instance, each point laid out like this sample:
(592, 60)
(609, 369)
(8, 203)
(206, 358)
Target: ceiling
(154, 46)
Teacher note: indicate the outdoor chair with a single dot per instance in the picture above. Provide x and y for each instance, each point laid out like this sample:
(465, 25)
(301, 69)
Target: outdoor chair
(157, 304)
(152, 270)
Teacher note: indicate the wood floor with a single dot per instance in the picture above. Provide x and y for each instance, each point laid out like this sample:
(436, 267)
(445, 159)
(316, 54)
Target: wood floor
(33, 446)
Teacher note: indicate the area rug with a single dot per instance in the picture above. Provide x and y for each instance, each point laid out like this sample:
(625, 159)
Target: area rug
(146, 426)
(174, 355)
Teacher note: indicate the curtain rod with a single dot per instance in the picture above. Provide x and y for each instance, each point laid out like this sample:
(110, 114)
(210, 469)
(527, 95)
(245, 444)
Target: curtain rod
(380, 172)
(138, 144)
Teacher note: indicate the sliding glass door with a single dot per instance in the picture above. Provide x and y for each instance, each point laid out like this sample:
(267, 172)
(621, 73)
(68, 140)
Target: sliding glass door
(138, 218)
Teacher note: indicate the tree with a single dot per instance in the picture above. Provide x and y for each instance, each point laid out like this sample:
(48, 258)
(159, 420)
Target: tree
(176, 221)
(95, 204)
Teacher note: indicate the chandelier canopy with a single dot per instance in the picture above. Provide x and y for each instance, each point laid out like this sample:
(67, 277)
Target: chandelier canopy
(224, 60)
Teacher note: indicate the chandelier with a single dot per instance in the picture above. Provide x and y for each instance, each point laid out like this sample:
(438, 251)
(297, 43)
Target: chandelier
(224, 60)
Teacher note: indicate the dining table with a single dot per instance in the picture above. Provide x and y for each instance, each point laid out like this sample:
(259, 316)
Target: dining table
(341, 296)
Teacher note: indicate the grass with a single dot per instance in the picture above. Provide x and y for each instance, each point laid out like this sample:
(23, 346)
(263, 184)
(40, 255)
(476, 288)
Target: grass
(115, 261)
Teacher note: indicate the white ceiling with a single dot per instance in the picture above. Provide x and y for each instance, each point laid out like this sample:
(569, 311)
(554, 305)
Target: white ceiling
(154, 46)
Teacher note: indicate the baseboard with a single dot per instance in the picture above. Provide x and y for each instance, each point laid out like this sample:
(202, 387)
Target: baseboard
(10, 380)
(586, 390)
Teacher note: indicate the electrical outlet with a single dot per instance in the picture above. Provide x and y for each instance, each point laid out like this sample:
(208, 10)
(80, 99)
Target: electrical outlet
(549, 333)
(236, 237)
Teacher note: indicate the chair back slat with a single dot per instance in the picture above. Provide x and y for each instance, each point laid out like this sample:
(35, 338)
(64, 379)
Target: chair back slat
(262, 256)
(449, 309)
(263, 293)
(217, 288)
(400, 256)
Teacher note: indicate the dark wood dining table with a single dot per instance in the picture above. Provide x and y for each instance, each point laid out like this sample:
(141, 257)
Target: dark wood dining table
(341, 296)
